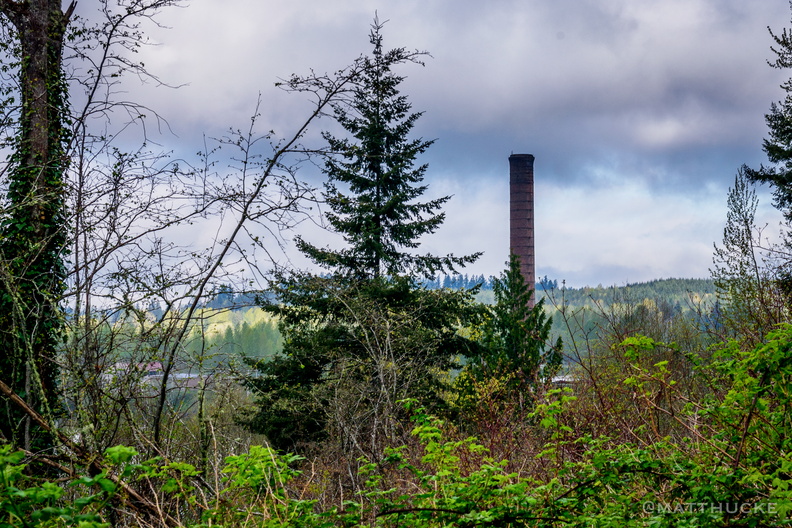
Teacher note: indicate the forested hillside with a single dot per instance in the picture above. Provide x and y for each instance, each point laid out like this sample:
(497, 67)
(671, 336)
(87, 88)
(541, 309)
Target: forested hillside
(233, 333)
(671, 291)
(249, 331)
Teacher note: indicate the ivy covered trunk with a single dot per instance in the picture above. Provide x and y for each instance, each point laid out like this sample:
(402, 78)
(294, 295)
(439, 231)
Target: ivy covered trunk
(32, 236)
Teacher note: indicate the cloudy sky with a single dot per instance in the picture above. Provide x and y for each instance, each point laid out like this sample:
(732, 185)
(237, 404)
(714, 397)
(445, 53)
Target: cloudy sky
(639, 112)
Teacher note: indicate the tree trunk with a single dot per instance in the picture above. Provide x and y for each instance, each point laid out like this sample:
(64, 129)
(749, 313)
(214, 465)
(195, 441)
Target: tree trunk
(32, 235)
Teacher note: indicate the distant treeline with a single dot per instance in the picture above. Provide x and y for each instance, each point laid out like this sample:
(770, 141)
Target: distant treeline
(670, 290)
(459, 281)
(663, 288)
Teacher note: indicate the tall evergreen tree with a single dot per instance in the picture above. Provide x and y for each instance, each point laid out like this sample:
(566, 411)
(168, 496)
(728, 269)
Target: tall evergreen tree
(373, 183)
(778, 146)
(368, 335)
(515, 359)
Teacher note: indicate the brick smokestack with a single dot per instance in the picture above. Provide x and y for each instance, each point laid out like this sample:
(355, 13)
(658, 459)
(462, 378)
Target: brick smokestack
(521, 199)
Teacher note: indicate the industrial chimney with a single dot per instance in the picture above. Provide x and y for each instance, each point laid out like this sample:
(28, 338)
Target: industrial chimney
(522, 215)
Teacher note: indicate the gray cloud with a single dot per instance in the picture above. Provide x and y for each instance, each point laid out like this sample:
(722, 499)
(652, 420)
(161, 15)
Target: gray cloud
(621, 101)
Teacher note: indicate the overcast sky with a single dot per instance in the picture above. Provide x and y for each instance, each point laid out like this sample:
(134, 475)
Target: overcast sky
(639, 112)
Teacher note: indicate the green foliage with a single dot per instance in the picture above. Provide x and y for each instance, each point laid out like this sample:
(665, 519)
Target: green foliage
(731, 468)
(260, 479)
(30, 502)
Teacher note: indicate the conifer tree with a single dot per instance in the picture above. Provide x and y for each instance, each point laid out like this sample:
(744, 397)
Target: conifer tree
(516, 336)
(374, 184)
(368, 335)
(778, 146)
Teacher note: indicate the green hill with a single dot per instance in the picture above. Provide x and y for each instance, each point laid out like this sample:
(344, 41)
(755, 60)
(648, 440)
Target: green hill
(252, 332)
(673, 291)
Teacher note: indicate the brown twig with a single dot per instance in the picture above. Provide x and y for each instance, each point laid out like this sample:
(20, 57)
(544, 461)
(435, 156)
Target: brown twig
(91, 460)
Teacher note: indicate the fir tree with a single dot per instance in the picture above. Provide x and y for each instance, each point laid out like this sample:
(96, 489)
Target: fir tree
(516, 335)
(778, 146)
(369, 334)
(374, 184)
